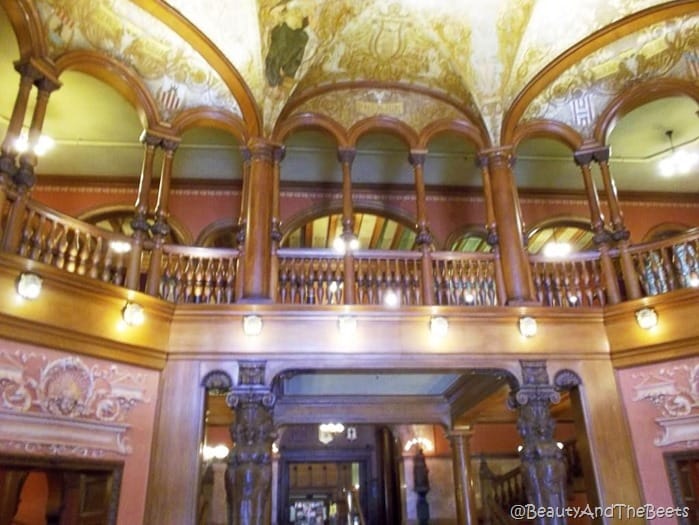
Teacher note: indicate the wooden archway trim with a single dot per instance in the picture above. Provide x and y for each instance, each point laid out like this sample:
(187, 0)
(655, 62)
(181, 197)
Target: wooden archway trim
(585, 47)
(210, 118)
(475, 134)
(389, 125)
(26, 24)
(639, 95)
(310, 121)
(117, 75)
(214, 56)
(547, 129)
(300, 98)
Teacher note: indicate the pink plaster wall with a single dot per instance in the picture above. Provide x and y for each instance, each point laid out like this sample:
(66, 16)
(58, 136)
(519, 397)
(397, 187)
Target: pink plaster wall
(140, 434)
(641, 415)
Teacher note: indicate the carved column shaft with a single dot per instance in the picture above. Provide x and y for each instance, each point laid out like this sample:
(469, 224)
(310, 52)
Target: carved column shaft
(543, 463)
(424, 237)
(249, 472)
(463, 486)
(491, 229)
(346, 157)
(519, 287)
(19, 110)
(258, 222)
(276, 218)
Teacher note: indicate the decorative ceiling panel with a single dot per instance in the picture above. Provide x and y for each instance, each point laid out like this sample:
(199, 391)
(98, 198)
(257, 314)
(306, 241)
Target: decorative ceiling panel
(666, 49)
(350, 106)
(176, 75)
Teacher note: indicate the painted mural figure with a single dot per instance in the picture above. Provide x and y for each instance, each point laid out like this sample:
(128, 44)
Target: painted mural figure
(286, 49)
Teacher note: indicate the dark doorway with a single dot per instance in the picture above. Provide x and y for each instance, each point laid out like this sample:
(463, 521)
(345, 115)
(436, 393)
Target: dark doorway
(53, 491)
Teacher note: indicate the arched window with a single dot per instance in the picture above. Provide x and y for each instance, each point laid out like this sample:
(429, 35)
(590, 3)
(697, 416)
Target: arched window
(558, 237)
(471, 239)
(118, 219)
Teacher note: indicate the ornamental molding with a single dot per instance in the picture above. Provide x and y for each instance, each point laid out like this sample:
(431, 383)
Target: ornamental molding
(674, 393)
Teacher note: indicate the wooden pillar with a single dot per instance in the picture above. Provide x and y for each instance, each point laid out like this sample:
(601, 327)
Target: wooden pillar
(28, 75)
(242, 221)
(620, 234)
(346, 157)
(601, 237)
(257, 258)
(491, 229)
(464, 497)
(174, 469)
(249, 472)
(278, 156)
(610, 446)
(517, 278)
(161, 228)
(24, 176)
(139, 224)
(424, 237)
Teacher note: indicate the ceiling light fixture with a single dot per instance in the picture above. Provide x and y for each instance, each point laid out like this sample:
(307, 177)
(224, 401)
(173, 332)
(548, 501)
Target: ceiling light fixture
(29, 285)
(527, 326)
(679, 162)
(439, 326)
(252, 325)
(328, 431)
(133, 314)
(647, 318)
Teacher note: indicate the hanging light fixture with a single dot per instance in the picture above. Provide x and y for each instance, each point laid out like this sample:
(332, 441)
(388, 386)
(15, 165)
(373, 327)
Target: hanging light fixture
(679, 162)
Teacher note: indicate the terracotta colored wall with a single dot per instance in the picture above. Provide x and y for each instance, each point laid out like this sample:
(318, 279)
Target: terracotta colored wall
(651, 393)
(27, 362)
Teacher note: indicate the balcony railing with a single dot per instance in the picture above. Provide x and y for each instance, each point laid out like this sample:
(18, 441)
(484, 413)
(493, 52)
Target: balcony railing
(195, 275)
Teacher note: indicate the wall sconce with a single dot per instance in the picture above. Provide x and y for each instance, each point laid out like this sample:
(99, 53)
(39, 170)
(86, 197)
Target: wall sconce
(29, 285)
(391, 299)
(527, 326)
(133, 314)
(252, 325)
(647, 318)
(439, 326)
(346, 325)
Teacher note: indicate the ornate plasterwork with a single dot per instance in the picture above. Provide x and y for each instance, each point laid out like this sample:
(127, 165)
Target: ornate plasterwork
(176, 75)
(674, 392)
(84, 408)
(667, 49)
(353, 105)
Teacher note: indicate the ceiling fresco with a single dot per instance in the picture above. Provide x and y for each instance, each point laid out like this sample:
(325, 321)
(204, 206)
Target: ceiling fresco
(577, 97)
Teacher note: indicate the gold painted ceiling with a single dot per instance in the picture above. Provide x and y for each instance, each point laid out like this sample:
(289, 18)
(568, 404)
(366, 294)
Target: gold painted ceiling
(470, 58)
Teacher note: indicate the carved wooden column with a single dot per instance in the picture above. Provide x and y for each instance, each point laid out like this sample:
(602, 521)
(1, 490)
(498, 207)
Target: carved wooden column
(519, 287)
(601, 236)
(543, 463)
(620, 234)
(424, 237)
(161, 228)
(249, 472)
(491, 229)
(28, 75)
(24, 176)
(175, 462)
(257, 259)
(242, 221)
(139, 223)
(459, 438)
(346, 157)
(278, 156)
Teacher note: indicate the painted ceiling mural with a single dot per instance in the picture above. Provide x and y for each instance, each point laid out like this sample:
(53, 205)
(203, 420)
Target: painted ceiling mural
(478, 55)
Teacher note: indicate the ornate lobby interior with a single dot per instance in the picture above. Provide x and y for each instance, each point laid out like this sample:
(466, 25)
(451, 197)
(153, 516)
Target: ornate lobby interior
(348, 262)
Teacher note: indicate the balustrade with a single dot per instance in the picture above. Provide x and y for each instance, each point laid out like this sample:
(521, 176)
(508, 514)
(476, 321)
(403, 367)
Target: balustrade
(317, 277)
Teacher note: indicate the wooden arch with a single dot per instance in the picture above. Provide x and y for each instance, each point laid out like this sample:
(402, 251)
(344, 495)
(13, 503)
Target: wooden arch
(26, 24)
(475, 134)
(389, 125)
(547, 129)
(638, 96)
(117, 75)
(310, 121)
(587, 46)
(210, 118)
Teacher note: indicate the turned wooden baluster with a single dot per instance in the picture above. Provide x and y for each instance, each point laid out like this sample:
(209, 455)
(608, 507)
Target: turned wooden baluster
(84, 254)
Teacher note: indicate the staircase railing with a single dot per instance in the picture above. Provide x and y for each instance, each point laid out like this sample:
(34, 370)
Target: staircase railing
(499, 493)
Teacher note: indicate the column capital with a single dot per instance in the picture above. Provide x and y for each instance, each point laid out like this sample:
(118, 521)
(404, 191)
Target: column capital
(279, 154)
(602, 154)
(148, 138)
(346, 155)
(499, 155)
(169, 145)
(417, 157)
(261, 149)
(461, 431)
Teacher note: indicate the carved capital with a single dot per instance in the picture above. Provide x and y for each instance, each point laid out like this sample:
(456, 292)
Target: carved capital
(346, 155)
(417, 157)
(139, 223)
(583, 158)
(47, 85)
(260, 149)
(602, 154)
(160, 228)
(169, 145)
(7, 165)
(24, 177)
(279, 154)
(601, 237)
(424, 237)
(150, 139)
(621, 235)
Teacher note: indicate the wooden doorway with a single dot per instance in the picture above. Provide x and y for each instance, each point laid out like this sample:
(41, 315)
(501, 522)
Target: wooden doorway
(683, 471)
(52, 491)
